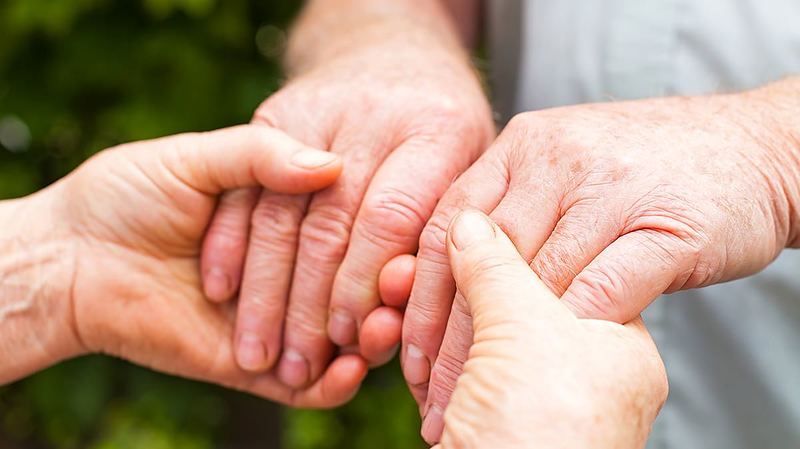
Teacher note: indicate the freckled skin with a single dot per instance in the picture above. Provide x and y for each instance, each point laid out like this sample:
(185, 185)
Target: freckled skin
(613, 204)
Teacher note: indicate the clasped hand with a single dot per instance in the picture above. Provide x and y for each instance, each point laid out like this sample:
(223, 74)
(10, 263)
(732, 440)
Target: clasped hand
(129, 224)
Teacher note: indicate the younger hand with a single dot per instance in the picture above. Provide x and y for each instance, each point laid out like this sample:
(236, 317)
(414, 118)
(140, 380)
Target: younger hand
(137, 214)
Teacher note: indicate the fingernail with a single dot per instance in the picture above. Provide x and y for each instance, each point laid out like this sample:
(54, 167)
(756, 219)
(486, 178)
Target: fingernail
(416, 367)
(293, 369)
(251, 354)
(342, 328)
(312, 159)
(433, 425)
(470, 227)
(217, 284)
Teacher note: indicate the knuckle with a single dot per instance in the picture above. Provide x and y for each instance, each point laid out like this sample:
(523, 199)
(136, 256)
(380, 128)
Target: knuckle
(434, 235)
(393, 216)
(553, 270)
(518, 122)
(276, 219)
(601, 291)
(226, 239)
(522, 125)
(704, 272)
(259, 302)
(355, 289)
(444, 375)
(424, 319)
(237, 202)
(306, 325)
(700, 266)
(325, 232)
(705, 268)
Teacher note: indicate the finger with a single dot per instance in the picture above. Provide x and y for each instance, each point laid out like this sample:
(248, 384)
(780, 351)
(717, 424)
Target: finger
(247, 156)
(531, 207)
(380, 335)
(481, 187)
(205, 352)
(267, 278)
(338, 385)
(324, 235)
(225, 244)
(580, 235)
(628, 275)
(396, 280)
(526, 219)
(400, 199)
(497, 283)
(527, 213)
(446, 369)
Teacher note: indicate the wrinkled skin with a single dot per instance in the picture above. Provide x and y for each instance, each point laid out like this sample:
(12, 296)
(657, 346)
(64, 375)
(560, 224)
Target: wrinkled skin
(612, 205)
(537, 376)
(135, 217)
(311, 274)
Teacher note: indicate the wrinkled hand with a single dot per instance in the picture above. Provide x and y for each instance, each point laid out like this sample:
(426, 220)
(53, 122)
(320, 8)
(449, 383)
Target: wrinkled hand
(138, 214)
(536, 375)
(312, 263)
(612, 205)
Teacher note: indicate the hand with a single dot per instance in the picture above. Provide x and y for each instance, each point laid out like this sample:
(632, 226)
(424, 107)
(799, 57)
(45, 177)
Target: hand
(613, 204)
(136, 216)
(536, 375)
(311, 258)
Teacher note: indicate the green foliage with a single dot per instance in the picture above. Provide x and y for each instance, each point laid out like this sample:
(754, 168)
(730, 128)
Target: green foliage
(384, 403)
(77, 76)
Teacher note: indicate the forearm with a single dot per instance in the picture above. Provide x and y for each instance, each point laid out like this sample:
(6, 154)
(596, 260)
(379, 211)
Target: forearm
(35, 277)
(330, 29)
(468, 17)
(774, 114)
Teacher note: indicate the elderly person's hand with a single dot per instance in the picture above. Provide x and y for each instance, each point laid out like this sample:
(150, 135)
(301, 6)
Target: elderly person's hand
(107, 260)
(388, 86)
(536, 375)
(614, 204)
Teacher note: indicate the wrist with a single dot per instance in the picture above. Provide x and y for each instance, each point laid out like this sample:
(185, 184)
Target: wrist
(36, 276)
(331, 30)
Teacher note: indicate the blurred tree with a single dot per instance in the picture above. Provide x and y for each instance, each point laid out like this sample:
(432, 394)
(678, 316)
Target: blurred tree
(77, 76)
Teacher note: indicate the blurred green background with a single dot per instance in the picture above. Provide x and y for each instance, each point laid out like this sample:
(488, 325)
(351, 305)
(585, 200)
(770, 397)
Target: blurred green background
(77, 76)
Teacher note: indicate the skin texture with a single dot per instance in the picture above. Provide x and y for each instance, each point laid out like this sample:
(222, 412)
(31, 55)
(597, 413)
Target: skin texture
(312, 266)
(536, 375)
(612, 205)
(107, 260)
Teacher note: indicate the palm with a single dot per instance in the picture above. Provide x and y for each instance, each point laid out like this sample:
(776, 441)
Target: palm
(148, 259)
(170, 217)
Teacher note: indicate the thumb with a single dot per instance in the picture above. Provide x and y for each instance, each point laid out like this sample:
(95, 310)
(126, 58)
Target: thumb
(497, 283)
(246, 156)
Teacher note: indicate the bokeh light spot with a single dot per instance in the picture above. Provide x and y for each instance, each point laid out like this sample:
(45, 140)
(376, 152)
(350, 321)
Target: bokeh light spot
(14, 134)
